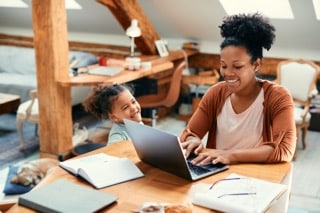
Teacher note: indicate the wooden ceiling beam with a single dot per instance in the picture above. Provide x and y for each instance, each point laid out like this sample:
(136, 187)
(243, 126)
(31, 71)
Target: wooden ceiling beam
(126, 10)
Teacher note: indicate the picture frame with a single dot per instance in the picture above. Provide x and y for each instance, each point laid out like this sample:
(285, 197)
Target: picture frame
(162, 48)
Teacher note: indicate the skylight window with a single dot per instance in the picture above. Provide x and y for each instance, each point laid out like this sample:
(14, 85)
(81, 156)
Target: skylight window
(276, 9)
(73, 5)
(70, 4)
(13, 3)
(316, 6)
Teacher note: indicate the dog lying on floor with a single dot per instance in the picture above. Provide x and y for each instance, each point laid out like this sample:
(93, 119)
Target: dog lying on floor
(32, 172)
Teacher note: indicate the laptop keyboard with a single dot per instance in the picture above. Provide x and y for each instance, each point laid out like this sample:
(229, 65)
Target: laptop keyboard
(198, 170)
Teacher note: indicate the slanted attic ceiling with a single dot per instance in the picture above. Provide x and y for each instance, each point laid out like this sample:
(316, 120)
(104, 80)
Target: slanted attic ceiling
(181, 19)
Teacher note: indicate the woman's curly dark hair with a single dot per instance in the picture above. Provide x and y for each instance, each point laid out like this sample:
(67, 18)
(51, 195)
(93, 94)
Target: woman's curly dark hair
(100, 100)
(254, 32)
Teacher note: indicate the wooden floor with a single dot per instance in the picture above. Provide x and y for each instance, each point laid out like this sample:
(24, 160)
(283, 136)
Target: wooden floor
(305, 195)
(306, 176)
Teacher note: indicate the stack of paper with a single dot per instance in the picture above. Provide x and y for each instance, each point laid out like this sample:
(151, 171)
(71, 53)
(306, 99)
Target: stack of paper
(238, 193)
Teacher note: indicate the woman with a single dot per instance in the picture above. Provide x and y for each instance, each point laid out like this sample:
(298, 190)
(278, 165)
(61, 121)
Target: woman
(247, 119)
(117, 103)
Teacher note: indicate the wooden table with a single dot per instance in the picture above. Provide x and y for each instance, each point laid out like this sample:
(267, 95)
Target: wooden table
(8, 102)
(158, 185)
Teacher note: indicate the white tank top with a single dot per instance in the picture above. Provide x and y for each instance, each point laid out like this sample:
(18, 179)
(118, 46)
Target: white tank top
(243, 130)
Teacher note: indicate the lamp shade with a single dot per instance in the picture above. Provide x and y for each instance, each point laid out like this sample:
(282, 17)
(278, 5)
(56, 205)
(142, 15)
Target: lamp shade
(133, 30)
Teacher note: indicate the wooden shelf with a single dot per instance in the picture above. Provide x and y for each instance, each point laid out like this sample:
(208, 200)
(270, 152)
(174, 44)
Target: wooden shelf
(122, 77)
(159, 64)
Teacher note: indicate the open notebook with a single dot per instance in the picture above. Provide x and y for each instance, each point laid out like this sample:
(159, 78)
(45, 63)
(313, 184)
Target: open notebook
(96, 169)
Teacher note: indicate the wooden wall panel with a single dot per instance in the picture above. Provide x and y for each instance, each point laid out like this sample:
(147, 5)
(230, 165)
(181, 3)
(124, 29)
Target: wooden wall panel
(107, 50)
(13, 40)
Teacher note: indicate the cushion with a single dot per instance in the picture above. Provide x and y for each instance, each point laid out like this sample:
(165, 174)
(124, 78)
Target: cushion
(13, 188)
(291, 73)
(83, 59)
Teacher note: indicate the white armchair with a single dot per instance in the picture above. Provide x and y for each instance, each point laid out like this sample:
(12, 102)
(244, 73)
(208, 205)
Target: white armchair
(27, 111)
(299, 77)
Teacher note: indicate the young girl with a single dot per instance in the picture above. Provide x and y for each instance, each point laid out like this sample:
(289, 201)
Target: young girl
(115, 102)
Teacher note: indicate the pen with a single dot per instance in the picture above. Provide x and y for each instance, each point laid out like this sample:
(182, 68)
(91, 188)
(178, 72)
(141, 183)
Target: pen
(214, 183)
(246, 193)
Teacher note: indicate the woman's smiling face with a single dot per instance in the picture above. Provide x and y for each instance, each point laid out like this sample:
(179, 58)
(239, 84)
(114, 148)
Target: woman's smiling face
(237, 69)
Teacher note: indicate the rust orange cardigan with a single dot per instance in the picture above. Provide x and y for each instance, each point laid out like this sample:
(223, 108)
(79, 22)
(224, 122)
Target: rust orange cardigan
(279, 129)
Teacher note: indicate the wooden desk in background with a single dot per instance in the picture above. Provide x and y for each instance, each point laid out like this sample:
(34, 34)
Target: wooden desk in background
(159, 64)
(8, 103)
(160, 186)
(122, 77)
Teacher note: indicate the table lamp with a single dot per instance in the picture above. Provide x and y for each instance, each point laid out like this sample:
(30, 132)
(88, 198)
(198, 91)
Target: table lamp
(133, 31)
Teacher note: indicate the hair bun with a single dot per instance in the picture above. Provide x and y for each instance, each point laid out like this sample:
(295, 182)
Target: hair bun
(252, 29)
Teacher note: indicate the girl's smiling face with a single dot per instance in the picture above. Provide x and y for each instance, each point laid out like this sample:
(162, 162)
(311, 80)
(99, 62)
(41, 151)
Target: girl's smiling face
(237, 69)
(125, 106)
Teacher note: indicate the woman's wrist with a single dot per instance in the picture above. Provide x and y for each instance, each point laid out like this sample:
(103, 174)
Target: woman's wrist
(233, 156)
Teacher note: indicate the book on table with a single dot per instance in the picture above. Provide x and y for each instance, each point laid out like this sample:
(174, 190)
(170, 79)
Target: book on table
(237, 193)
(65, 196)
(102, 170)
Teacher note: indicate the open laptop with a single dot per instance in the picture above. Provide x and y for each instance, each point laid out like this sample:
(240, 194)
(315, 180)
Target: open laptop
(164, 150)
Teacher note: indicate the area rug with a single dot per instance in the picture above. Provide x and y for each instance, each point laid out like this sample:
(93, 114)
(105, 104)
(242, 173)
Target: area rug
(9, 139)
